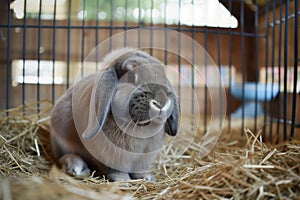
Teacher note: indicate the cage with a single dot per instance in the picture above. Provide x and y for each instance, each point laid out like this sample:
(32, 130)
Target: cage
(251, 45)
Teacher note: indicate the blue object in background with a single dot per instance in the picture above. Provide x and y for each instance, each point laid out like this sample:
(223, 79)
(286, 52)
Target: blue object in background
(261, 91)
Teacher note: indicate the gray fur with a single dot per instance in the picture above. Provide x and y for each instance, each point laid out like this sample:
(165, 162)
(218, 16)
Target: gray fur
(123, 92)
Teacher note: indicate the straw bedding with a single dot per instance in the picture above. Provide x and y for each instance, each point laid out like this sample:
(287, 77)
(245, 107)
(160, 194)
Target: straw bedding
(240, 167)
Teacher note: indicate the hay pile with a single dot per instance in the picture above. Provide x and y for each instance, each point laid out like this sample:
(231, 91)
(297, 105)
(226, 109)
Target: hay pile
(240, 168)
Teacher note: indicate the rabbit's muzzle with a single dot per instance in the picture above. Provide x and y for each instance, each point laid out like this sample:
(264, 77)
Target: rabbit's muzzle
(147, 106)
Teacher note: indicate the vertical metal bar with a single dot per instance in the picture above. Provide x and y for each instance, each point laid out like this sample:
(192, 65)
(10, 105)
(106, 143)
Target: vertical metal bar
(69, 44)
(256, 63)
(82, 38)
(8, 64)
(151, 15)
(166, 33)
(140, 13)
(151, 30)
(111, 24)
(166, 37)
(266, 67)
(139, 24)
(53, 50)
(272, 65)
(219, 66)
(230, 68)
(126, 23)
(294, 104)
(243, 63)
(39, 54)
(179, 48)
(285, 99)
(193, 63)
(206, 78)
(279, 106)
(97, 35)
(24, 53)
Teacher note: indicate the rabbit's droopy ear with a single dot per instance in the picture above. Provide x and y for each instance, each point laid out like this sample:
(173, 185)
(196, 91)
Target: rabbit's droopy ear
(101, 98)
(171, 125)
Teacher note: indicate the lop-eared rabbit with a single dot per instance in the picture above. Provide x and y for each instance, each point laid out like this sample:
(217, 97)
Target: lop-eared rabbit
(114, 121)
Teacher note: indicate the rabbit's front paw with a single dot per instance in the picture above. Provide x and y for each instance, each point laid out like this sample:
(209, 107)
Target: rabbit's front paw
(74, 165)
(115, 175)
(146, 176)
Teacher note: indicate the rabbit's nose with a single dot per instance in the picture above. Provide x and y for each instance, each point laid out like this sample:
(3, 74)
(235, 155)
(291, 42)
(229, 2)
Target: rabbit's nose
(155, 105)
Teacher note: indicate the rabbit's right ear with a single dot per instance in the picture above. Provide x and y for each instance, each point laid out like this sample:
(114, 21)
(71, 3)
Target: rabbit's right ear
(101, 98)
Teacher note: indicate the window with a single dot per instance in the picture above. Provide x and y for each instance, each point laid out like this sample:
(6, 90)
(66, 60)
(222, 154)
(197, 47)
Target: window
(186, 12)
(28, 73)
(33, 7)
(196, 77)
(33, 72)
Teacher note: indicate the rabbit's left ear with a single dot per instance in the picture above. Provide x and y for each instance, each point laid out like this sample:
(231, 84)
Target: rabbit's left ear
(101, 98)
(171, 125)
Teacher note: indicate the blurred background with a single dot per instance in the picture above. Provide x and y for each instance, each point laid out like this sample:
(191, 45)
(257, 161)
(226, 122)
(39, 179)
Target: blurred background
(254, 44)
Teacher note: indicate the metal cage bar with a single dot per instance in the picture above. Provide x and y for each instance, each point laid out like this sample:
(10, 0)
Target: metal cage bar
(285, 100)
(8, 66)
(281, 113)
(296, 61)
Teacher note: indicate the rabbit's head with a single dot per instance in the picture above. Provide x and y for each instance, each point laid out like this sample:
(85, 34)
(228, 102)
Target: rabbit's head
(134, 89)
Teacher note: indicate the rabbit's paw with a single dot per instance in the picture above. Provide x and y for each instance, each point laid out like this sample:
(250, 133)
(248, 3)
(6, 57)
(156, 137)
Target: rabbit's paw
(74, 165)
(115, 175)
(146, 176)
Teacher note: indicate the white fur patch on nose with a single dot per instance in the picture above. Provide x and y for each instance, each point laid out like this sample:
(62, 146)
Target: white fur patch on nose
(155, 105)
(158, 107)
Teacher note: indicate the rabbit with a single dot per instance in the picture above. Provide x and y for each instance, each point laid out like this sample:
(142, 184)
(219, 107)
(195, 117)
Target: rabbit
(114, 121)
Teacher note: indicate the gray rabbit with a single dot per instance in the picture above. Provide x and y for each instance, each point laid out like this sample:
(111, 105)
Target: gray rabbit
(114, 121)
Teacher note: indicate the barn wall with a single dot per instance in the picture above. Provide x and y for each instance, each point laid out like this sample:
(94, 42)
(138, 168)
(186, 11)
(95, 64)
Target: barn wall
(75, 50)
(212, 40)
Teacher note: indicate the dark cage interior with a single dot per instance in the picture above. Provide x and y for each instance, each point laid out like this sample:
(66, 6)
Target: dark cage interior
(254, 44)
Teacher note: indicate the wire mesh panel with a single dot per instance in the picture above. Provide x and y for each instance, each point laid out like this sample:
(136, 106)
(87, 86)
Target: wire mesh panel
(254, 45)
